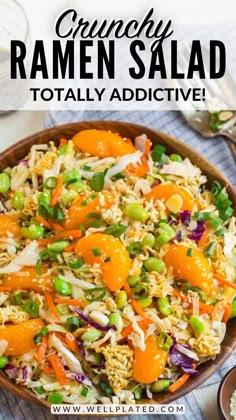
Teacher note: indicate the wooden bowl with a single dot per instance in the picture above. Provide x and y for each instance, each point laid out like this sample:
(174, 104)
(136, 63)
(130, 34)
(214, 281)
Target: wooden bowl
(226, 389)
(19, 150)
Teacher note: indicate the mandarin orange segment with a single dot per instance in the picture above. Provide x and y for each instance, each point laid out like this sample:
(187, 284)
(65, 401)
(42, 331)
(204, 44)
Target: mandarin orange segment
(165, 191)
(80, 209)
(196, 269)
(20, 337)
(150, 363)
(102, 143)
(113, 258)
(8, 223)
(27, 279)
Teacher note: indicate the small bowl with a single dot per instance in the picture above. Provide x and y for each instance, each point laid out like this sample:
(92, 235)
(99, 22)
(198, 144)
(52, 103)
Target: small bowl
(226, 389)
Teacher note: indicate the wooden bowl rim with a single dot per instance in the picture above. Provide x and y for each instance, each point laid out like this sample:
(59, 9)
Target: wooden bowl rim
(210, 367)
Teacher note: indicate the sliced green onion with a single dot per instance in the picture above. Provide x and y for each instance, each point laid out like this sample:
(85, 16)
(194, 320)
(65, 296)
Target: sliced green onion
(3, 361)
(164, 341)
(189, 252)
(87, 168)
(82, 228)
(209, 251)
(98, 181)
(216, 188)
(84, 392)
(55, 397)
(42, 333)
(31, 308)
(71, 177)
(50, 183)
(202, 215)
(134, 248)
(94, 295)
(137, 393)
(72, 324)
(115, 230)
(108, 259)
(182, 285)
(226, 214)
(19, 298)
(215, 221)
(233, 311)
(201, 293)
(39, 390)
(140, 291)
(95, 220)
(63, 149)
(78, 186)
(106, 388)
(166, 234)
(39, 268)
(75, 264)
(46, 255)
(117, 176)
(96, 251)
(62, 309)
(158, 152)
(58, 246)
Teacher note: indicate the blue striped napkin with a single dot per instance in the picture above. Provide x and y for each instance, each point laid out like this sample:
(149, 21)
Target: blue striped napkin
(201, 403)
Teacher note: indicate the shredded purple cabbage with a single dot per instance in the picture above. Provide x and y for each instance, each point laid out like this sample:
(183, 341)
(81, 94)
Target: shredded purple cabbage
(15, 373)
(93, 324)
(185, 217)
(85, 355)
(24, 161)
(173, 221)
(198, 231)
(81, 378)
(178, 236)
(182, 360)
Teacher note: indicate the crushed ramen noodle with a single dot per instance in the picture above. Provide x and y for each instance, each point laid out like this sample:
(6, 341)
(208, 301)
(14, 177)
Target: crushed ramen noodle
(117, 269)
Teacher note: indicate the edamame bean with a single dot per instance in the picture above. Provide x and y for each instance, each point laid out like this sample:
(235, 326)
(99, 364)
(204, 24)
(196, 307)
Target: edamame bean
(5, 182)
(3, 361)
(62, 287)
(233, 311)
(175, 158)
(17, 201)
(121, 299)
(154, 264)
(144, 302)
(91, 335)
(32, 232)
(71, 176)
(136, 212)
(166, 233)
(116, 319)
(197, 324)
(133, 280)
(148, 240)
(163, 305)
(160, 385)
(58, 246)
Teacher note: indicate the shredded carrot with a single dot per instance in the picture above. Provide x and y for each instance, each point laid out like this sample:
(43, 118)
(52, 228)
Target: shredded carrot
(180, 295)
(51, 305)
(139, 170)
(72, 342)
(179, 383)
(147, 147)
(63, 142)
(46, 368)
(57, 192)
(127, 289)
(203, 240)
(58, 368)
(227, 312)
(128, 330)
(45, 241)
(224, 282)
(71, 247)
(5, 289)
(41, 350)
(73, 302)
(10, 194)
(43, 221)
(137, 308)
(205, 308)
(56, 226)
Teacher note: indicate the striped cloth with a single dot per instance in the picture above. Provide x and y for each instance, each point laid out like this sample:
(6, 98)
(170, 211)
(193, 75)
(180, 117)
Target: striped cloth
(200, 404)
